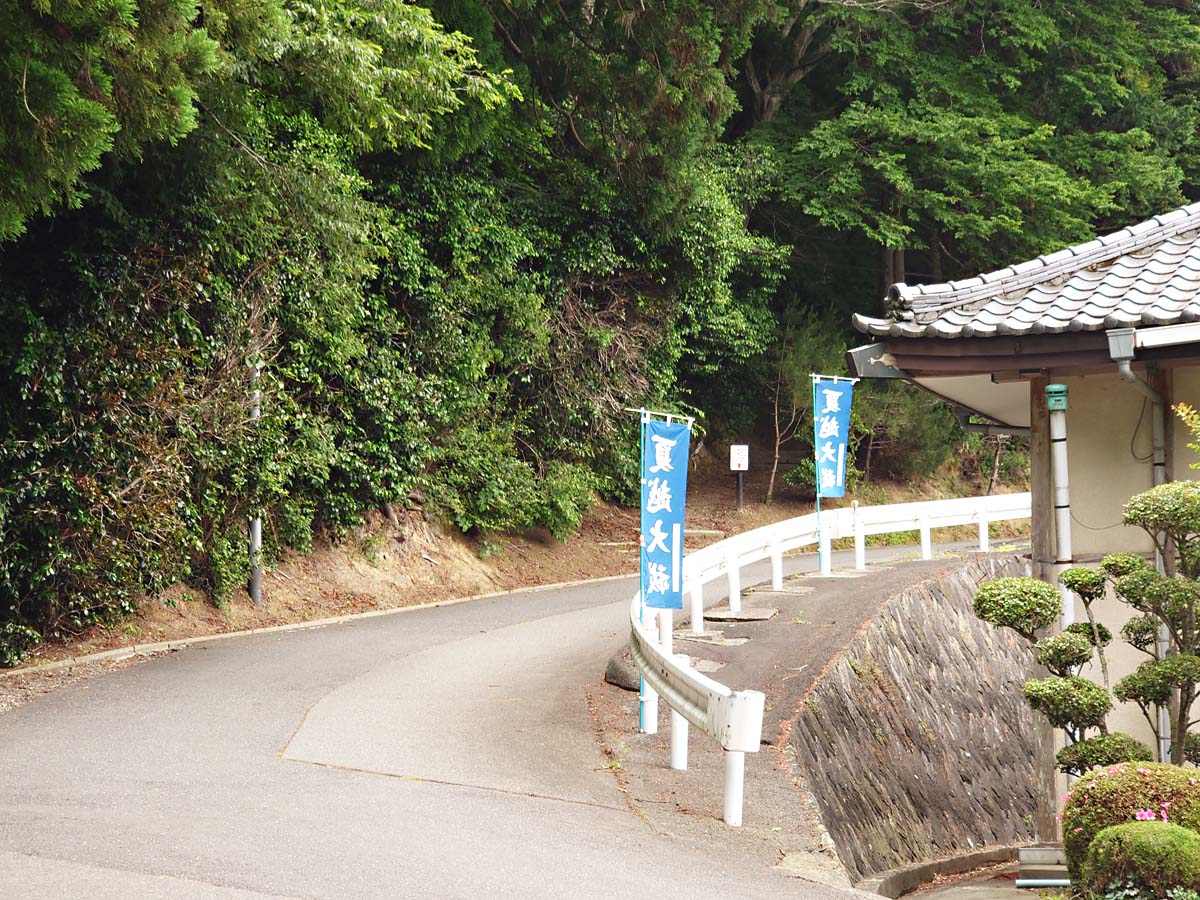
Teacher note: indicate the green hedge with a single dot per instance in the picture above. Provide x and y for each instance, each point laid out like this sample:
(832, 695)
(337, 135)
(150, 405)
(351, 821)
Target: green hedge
(1151, 856)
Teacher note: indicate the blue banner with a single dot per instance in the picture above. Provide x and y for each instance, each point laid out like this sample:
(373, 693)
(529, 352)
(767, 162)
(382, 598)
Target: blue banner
(831, 433)
(664, 487)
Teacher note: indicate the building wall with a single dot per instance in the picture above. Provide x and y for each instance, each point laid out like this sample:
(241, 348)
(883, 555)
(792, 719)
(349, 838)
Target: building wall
(1109, 460)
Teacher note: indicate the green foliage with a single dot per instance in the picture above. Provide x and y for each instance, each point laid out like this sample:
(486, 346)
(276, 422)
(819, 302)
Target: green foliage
(1117, 565)
(1025, 605)
(1101, 750)
(1173, 510)
(1064, 654)
(1087, 583)
(1140, 632)
(1152, 856)
(1191, 751)
(1093, 632)
(16, 643)
(1071, 703)
(1114, 795)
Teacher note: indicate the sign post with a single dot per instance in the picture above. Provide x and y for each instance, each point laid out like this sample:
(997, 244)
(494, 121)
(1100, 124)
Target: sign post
(739, 463)
(832, 397)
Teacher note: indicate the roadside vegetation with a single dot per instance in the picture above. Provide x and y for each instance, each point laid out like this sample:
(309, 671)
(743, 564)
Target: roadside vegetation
(446, 245)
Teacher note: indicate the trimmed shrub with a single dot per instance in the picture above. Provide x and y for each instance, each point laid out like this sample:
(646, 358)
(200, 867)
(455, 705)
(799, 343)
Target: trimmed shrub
(1140, 631)
(1025, 605)
(1116, 794)
(1151, 856)
(1116, 565)
(1064, 653)
(1102, 750)
(16, 641)
(1087, 583)
(1191, 749)
(1073, 703)
(1085, 628)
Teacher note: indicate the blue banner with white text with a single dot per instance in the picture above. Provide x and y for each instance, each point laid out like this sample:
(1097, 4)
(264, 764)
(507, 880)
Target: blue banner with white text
(664, 487)
(831, 433)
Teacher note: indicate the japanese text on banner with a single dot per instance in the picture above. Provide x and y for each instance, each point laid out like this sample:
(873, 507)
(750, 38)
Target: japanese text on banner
(664, 487)
(831, 433)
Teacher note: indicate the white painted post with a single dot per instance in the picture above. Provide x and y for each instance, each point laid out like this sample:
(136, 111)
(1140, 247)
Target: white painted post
(666, 630)
(735, 583)
(649, 696)
(776, 567)
(860, 541)
(983, 531)
(926, 540)
(679, 728)
(735, 782)
(697, 595)
(825, 552)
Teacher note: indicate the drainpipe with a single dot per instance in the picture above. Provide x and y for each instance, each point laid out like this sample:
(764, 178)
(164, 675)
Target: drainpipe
(1056, 404)
(1121, 343)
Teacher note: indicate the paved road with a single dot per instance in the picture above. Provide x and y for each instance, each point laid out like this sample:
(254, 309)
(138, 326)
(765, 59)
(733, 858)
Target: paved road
(438, 753)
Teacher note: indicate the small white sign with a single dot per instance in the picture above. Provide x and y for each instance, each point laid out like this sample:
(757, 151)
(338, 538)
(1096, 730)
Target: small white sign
(739, 458)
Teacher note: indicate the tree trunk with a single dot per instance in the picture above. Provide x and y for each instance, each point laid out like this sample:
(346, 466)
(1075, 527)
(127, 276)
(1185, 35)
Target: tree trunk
(996, 464)
(935, 257)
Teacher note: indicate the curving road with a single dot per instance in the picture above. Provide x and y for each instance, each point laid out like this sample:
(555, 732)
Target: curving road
(437, 753)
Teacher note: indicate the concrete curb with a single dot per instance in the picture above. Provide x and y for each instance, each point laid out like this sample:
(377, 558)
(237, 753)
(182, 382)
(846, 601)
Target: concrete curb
(150, 649)
(897, 882)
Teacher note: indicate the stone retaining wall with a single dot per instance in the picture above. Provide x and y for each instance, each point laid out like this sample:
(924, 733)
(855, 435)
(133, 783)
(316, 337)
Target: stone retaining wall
(917, 742)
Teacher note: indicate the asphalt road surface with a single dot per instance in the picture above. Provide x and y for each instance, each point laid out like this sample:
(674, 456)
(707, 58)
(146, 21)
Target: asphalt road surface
(437, 753)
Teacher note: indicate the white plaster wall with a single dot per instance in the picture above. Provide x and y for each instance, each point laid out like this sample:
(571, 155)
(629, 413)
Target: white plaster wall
(1102, 424)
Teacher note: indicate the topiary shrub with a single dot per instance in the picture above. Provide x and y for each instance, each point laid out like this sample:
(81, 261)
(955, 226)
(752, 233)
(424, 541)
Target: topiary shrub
(1074, 704)
(1102, 750)
(1025, 605)
(1141, 631)
(1150, 856)
(1191, 749)
(1087, 583)
(1064, 653)
(1086, 629)
(1116, 794)
(16, 641)
(1116, 565)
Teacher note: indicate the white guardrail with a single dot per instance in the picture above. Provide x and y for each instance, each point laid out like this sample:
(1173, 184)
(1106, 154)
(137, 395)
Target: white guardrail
(734, 718)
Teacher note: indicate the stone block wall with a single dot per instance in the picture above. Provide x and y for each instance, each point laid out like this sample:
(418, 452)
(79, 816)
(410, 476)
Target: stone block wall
(917, 742)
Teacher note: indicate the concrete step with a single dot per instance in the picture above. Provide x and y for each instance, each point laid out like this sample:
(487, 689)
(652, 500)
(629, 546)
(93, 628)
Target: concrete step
(1042, 855)
(1041, 872)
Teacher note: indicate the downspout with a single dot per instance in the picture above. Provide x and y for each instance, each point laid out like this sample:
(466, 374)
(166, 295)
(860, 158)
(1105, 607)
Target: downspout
(1056, 405)
(1121, 348)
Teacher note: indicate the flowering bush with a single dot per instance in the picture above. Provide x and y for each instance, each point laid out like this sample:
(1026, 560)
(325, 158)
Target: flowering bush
(1151, 856)
(1118, 794)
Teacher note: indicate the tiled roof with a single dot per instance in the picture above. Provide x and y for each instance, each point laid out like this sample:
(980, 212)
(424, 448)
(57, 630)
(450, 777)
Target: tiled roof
(1148, 274)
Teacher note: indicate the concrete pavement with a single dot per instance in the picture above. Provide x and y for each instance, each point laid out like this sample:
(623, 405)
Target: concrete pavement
(444, 753)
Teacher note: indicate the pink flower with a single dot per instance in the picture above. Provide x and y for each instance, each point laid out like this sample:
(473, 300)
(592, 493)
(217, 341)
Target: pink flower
(1145, 815)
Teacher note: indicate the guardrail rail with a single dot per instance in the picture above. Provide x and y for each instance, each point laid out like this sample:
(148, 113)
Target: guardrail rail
(734, 718)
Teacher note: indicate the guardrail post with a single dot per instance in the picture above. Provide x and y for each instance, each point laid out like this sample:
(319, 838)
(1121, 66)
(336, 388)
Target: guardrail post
(735, 783)
(697, 595)
(679, 727)
(666, 630)
(735, 583)
(824, 551)
(926, 540)
(860, 540)
(776, 567)
(983, 531)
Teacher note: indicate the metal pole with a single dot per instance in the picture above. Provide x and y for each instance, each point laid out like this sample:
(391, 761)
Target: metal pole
(926, 538)
(740, 504)
(777, 567)
(679, 728)
(983, 531)
(648, 697)
(697, 595)
(1056, 403)
(666, 630)
(735, 782)
(255, 586)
